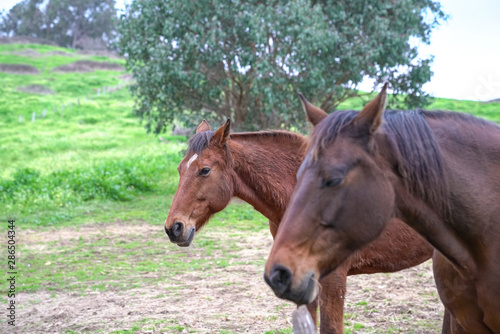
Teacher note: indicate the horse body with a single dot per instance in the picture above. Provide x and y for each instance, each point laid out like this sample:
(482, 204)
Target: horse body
(437, 171)
(260, 168)
(472, 156)
(466, 266)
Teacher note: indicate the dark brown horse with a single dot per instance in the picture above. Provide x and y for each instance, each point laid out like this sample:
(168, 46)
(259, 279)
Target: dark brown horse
(260, 168)
(437, 171)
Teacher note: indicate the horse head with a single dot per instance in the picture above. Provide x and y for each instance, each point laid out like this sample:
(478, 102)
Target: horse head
(205, 185)
(341, 202)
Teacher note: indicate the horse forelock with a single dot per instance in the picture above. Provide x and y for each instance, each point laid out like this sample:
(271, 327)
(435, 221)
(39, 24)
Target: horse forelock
(417, 155)
(327, 130)
(199, 142)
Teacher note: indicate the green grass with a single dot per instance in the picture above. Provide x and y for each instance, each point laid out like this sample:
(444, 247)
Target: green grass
(47, 59)
(77, 160)
(154, 326)
(280, 331)
(489, 111)
(96, 263)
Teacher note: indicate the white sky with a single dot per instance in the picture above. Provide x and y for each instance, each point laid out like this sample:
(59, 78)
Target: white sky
(466, 50)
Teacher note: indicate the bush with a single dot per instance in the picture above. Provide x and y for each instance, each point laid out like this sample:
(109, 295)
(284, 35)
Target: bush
(118, 180)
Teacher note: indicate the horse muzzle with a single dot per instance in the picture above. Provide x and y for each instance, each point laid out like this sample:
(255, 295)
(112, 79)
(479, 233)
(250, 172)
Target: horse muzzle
(179, 234)
(281, 279)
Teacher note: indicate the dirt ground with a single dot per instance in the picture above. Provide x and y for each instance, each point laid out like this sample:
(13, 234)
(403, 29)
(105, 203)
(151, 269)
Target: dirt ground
(18, 69)
(35, 53)
(88, 66)
(234, 299)
(36, 89)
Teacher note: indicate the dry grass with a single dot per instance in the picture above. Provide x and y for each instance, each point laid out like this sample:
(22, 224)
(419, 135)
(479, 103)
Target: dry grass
(231, 298)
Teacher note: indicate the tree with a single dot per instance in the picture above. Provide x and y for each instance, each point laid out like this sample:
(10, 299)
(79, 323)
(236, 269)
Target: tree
(64, 22)
(25, 19)
(246, 60)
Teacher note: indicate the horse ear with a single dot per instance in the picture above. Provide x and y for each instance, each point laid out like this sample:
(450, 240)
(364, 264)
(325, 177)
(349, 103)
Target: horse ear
(222, 134)
(204, 126)
(313, 113)
(370, 118)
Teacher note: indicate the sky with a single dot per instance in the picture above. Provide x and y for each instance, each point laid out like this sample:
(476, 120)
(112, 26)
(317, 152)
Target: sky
(466, 50)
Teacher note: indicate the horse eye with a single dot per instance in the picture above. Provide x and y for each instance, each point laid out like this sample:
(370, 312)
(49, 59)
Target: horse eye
(205, 171)
(332, 182)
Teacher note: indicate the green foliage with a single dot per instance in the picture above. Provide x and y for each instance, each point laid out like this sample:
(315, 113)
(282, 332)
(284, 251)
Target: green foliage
(117, 180)
(246, 60)
(64, 22)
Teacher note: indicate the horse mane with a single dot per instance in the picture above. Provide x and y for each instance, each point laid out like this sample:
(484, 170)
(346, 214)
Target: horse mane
(259, 167)
(275, 135)
(418, 158)
(200, 141)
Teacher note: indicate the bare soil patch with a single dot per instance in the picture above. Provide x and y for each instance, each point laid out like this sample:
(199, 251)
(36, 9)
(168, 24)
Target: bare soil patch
(89, 66)
(35, 53)
(36, 89)
(126, 77)
(18, 69)
(233, 299)
(25, 40)
(118, 228)
(27, 53)
(59, 53)
(102, 53)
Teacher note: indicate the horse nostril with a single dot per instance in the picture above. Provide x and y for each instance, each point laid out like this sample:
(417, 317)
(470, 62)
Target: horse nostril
(281, 278)
(166, 229)
(177, 229)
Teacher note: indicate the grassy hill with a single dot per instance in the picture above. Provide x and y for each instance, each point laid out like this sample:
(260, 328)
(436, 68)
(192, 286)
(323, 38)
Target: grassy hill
(89, 163)
(88, 159)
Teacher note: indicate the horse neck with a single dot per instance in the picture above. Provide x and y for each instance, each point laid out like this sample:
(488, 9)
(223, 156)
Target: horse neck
(265, 166)
(457, 234)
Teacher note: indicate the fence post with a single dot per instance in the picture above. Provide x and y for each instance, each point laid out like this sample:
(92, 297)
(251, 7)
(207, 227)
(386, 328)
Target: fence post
(44, 113)
(302, 321)
(20, 118)
(33, 117)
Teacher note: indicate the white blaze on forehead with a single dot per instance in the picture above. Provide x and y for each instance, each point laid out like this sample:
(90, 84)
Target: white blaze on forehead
(193, 158)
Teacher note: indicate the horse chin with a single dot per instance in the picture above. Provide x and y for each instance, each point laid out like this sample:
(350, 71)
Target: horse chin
(304, 294)
(189, 240)
(311, 292)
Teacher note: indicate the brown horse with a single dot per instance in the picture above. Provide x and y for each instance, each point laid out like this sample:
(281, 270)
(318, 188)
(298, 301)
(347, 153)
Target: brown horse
(437, 171)
(261, 168)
